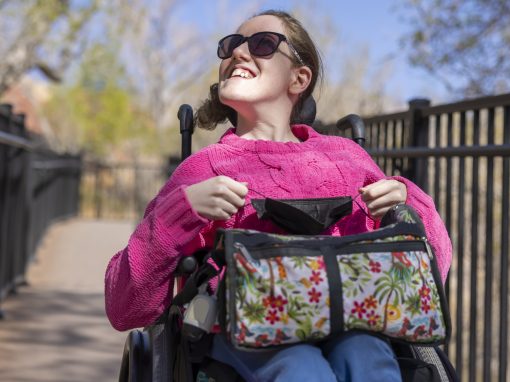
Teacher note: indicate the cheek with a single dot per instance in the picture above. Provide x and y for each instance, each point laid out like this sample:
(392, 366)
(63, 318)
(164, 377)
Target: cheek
(222, 69)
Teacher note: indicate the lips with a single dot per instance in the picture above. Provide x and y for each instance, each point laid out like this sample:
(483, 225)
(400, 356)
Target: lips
(242, 72)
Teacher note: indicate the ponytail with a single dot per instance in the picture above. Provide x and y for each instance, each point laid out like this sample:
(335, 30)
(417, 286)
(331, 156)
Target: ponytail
(212, 112)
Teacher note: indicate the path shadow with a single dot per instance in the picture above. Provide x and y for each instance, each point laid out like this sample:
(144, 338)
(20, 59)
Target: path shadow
(51, 335)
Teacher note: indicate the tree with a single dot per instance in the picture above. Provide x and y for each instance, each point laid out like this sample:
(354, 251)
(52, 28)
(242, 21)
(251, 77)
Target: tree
(99, 113)
(357, 90)
(42, 34)
(466, 44)
(170, 58)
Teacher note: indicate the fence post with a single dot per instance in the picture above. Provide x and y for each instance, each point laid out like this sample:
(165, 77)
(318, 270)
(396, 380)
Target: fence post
(23, 213)
(418, 171)
(5, 117)
(97, 190)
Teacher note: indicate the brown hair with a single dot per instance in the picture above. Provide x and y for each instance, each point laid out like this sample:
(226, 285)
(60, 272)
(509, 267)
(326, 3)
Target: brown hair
(213, 112)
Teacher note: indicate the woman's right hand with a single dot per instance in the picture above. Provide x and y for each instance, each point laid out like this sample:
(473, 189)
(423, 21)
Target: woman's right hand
(217, 198)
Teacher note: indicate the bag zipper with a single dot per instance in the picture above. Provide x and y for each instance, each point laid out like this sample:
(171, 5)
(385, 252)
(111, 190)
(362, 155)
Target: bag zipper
(402, 245)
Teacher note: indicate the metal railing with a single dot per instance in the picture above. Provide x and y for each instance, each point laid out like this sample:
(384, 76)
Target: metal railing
(37, 186)
(460, 155)
(120, 190)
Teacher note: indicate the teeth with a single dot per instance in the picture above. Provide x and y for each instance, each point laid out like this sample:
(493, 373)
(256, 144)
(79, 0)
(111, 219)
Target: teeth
(241, 73)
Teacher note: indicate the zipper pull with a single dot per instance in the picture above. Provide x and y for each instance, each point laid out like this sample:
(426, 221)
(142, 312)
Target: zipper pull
(428, 247)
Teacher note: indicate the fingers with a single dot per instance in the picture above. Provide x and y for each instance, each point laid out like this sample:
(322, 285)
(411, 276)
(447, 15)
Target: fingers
(383, 188)
(379, 211)
(375, 190)
(383, 195)
(224, 210)
(231, 191)
(217, 198)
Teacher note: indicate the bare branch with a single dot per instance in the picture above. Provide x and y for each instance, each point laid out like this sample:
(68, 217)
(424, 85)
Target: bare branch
(50, 73)
(38, 24)
(461, 43)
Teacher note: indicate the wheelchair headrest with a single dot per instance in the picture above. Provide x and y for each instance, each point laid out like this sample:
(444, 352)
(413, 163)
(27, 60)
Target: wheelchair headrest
(307, 115)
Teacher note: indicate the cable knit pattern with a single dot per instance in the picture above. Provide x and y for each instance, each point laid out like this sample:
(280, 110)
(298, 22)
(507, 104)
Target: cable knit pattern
(139, 277)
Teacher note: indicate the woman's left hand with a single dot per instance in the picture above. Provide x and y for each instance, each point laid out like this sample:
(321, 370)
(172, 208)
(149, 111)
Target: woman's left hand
(383, 195)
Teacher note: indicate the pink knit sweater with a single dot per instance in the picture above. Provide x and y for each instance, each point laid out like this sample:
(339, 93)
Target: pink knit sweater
(138, 277)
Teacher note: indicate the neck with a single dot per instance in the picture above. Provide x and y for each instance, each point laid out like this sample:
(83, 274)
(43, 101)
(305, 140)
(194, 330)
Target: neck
(272, 127)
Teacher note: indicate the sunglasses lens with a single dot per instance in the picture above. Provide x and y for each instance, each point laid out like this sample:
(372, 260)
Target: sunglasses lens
(227, 45)
(263, 44)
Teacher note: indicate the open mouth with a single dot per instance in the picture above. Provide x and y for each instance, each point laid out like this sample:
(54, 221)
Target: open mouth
(243, 73)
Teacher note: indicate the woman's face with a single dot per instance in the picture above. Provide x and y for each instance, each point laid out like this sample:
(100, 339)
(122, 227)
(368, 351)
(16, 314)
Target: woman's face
(247, 79)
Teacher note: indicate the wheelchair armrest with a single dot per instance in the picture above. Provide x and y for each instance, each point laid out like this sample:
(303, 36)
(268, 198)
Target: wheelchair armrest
(136, 365)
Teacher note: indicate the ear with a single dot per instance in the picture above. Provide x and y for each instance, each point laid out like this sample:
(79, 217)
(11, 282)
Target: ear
(300, 80)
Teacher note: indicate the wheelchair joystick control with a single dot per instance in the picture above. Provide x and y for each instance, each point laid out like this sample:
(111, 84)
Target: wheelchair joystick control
(200, 316)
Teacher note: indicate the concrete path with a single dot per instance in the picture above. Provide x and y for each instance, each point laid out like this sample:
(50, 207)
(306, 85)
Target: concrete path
(55, 328)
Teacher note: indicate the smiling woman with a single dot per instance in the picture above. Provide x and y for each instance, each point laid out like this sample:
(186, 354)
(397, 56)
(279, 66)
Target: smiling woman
(268, 68)
(298, 51)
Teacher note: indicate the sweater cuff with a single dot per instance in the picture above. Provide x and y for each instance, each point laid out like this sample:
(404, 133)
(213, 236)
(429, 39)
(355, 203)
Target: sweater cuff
(175, 209)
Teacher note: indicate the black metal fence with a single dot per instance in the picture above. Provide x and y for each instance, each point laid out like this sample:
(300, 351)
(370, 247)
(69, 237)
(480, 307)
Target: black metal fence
(37, 186)
(460, 154)
(120, 190)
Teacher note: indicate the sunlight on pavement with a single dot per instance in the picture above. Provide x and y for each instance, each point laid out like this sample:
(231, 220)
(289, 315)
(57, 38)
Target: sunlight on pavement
(55, 328)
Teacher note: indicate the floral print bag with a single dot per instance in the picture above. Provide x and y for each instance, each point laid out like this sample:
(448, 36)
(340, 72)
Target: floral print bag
(285, 289)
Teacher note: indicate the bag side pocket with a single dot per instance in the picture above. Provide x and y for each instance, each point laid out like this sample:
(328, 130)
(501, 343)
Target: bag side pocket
(415, 370)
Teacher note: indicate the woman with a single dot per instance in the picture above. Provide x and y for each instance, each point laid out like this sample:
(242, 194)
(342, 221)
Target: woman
(268, 68)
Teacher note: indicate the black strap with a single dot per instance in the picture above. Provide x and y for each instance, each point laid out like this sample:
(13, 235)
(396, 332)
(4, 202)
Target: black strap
(201, 276)
(219, 371)
(173, 333)
(416, 370)
(335, 290)
(450, 370)
(183, 370)
(218, 257)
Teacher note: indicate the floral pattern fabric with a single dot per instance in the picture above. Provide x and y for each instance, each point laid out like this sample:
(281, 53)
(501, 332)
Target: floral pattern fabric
(286, 299)
(392, 293)
(281, 300)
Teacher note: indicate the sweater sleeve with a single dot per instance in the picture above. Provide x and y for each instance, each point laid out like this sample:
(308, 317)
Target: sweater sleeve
(421, 202)
(139, 278)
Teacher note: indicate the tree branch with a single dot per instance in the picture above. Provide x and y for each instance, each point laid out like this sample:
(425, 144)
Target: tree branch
(51, 73)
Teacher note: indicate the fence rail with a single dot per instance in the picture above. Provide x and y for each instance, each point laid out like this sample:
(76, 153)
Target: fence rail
(119, 190)
(37, 186)
(460, 154)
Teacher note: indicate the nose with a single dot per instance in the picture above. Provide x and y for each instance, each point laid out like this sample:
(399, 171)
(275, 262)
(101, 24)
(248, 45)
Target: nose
(242, 52)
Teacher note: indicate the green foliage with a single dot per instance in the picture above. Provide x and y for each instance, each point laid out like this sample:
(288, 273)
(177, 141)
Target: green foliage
(413, 304)
(100, 110)
(305, 329)
(254, 312)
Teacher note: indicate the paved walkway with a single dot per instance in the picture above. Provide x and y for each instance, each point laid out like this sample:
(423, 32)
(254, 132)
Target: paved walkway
(55, 328)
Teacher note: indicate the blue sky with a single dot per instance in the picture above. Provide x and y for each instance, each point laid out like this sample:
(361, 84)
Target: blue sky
(378, 25)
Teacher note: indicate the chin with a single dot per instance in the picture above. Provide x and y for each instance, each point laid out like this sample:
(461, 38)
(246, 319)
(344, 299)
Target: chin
(234, 99)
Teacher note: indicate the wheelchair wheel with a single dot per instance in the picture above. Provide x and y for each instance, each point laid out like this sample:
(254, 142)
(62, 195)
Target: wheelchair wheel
(136, 363)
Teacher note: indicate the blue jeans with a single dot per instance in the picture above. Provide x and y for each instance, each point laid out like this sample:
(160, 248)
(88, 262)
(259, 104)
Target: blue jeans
(352, 357)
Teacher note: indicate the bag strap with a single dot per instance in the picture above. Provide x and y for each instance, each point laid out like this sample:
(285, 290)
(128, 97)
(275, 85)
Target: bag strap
(197, 279)
(180, 354)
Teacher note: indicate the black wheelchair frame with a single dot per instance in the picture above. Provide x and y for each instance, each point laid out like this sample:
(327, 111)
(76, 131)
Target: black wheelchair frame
(149, 355)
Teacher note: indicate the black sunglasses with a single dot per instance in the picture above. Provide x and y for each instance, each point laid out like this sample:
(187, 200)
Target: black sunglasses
(260, 44)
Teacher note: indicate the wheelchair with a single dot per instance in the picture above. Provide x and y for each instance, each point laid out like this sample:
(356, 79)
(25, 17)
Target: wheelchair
(155, 354)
